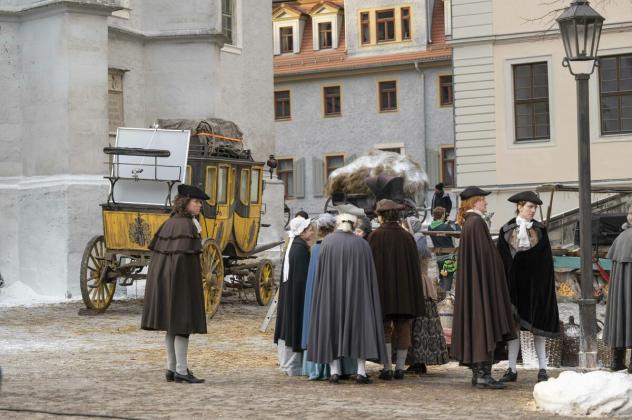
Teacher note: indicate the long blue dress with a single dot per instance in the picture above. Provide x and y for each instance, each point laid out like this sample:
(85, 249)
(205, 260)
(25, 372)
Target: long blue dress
(315, 371)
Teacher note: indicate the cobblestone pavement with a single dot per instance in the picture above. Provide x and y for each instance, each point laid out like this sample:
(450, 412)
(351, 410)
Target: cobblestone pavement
(56, 360)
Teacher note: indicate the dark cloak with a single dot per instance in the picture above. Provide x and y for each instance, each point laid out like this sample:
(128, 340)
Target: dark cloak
(174, 299)
(482, 306)
(398, 273)
(289, 322)
(346, 317)
(618, 324)
(531, 282)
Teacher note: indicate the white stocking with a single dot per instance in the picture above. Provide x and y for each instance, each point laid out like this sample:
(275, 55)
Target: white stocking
(514, 347)
(362, 367)
(540, 349)
(171, 352)
(335, 367)
(181, 345)
(400, 361)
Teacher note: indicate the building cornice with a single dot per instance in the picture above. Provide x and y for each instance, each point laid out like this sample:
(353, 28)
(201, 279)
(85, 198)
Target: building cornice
(51, 7)
(529, 36)
(353, 70)
(205, 35)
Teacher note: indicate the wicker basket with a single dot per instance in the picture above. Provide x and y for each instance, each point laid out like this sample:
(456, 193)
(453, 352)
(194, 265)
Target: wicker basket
(605, 354)
(570, 343)
(529, 355)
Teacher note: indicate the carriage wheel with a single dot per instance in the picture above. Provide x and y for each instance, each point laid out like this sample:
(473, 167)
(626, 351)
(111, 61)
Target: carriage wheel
(96, 289)
(264, 282)
(212, 277)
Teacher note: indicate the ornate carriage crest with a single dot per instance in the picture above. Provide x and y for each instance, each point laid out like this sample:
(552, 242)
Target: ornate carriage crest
(139, 231)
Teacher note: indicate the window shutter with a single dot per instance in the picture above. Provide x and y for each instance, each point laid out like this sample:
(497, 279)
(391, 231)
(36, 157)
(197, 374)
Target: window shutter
(318, 174)
(350, 158)
(299, 178)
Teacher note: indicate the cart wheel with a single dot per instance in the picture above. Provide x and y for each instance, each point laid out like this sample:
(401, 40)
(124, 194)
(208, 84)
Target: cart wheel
(212, 277)
(264, 286)
(96, 290)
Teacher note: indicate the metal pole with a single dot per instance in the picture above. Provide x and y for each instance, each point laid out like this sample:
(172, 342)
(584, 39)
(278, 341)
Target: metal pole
(587, 304)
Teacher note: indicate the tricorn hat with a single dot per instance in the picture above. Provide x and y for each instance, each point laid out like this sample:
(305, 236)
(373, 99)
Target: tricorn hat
(472, 191)
(386, 204)
(529, 196)
(191, 192)
(383, 186)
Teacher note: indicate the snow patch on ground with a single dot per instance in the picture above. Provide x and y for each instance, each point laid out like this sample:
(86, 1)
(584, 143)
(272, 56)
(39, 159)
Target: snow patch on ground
(19, 294)
(597, 393)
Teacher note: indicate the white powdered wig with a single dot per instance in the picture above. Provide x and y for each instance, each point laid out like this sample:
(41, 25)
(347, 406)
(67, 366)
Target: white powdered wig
(346, 222)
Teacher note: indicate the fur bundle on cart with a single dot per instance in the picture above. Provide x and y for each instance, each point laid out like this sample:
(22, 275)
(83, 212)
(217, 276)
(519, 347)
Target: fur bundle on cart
(374, 176)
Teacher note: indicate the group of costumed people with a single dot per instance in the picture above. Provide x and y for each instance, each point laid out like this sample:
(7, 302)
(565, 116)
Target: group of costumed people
(368, 296)
(357, 295)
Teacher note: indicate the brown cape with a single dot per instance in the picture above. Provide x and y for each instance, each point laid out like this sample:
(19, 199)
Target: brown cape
(173, 295)
(398, 272)
(482, 307)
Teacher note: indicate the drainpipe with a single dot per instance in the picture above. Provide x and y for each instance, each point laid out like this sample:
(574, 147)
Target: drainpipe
(423, 107)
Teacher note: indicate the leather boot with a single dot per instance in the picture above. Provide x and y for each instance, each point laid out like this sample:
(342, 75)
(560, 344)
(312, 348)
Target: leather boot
(475, 367)
(485, 380)
(618, 359)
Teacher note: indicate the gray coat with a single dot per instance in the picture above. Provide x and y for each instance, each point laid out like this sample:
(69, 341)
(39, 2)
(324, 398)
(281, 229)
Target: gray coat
(618, 326)
(346, 316)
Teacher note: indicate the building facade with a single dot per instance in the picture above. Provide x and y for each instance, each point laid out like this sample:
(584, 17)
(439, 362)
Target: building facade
(351, 76)
(72, 71)
(515, 104)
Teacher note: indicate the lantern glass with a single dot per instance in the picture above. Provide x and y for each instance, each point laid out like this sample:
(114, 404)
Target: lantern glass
(580, 26)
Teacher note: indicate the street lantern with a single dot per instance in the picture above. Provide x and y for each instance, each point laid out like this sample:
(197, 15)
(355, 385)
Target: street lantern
(272, 164)
(580, 26)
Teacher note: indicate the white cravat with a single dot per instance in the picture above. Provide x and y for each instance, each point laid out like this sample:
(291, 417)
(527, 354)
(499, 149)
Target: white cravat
(197, 225)
(286, 259)
(523, 236)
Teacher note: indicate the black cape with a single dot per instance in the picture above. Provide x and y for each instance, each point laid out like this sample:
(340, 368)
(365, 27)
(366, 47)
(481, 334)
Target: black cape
(346, 317)
(289, 322)
(174, 299)
(482, 306)
(531, 282)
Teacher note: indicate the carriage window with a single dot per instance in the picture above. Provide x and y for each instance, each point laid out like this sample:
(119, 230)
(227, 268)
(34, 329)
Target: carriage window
(211, 184)
(187, 178)
(244, 184)
(222, 184)
(254, 185)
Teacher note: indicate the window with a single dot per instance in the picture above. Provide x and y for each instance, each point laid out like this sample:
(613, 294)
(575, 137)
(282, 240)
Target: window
(615, 90)
(227, 20)
(255, 176)
(287, 40)
(388, 96)
(405, 12)
(211, 184)
(285, 172)
(244, 186)
(397, 150)
(385, 25)
(222, 185)
(365, 28)
(115, 100)
(332, 100)
(324, 35)
(448, 159)
(282, 105)
(332, 163)
(446, 91)
(531, 101)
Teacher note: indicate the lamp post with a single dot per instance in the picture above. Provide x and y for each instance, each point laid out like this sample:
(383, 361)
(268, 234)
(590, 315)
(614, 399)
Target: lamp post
(580, 26)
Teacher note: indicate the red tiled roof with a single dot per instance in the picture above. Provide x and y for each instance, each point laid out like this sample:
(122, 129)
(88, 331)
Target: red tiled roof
(308, 60)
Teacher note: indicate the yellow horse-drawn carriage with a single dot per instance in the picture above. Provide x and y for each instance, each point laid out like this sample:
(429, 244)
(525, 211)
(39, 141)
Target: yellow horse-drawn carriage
(142, 179)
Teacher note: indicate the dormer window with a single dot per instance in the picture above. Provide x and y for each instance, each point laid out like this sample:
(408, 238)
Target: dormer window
(385, 25)
(380, 26)
(287, 40)
(326, 25)
(324, 35)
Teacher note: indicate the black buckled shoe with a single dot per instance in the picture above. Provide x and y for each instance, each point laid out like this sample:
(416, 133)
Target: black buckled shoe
(334, 379)
(345, 377)
(509, 376)
(363, 380)
(399, 374)
(542, 376)
(618, 360)
(485, 380)
(169, 375)
(386, 375)
(189, 378)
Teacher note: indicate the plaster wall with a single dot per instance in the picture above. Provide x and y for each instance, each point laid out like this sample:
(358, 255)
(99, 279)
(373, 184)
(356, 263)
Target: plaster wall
(183, 15)
(361, 127)
(11, 101)
(352, 27)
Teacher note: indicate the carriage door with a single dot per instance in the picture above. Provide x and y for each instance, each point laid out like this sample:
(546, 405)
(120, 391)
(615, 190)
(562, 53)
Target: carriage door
(256, 192)
(209, 207)
(221, 233)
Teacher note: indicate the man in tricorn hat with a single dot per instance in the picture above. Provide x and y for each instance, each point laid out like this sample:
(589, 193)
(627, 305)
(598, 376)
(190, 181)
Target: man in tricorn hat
(398, 276)
(174, 299)
(526, 252)
(482, 307)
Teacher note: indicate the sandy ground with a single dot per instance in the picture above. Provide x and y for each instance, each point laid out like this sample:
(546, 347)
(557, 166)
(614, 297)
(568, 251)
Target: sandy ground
(56, 360)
